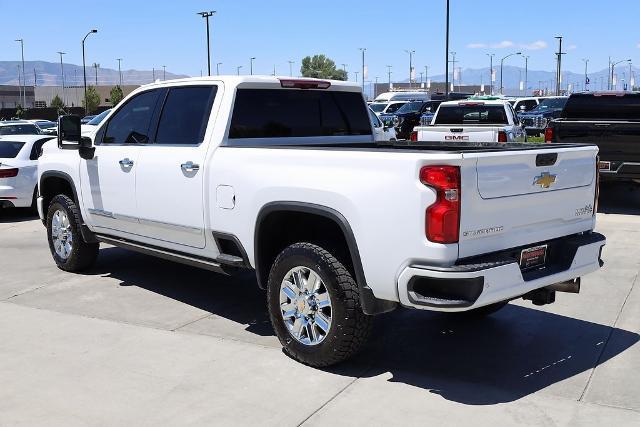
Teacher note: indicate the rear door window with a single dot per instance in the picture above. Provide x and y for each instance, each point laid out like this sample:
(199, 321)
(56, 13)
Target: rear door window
(282, 113)
(185, 115)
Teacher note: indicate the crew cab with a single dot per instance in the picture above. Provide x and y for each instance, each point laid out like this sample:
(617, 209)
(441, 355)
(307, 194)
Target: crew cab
(408, 116)
(282, 176)
(610, 120)
(473, 121)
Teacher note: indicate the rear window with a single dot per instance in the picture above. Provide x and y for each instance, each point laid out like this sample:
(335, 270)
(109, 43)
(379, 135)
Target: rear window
(27, 129)
(10, 149)
(377, 107)
(278, 113)
(394, 107)
(625, 107)
(471, 114)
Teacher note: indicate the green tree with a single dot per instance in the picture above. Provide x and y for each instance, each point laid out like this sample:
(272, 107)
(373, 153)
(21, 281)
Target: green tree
(58, 104)
(115, 95)
(93, 100)
(321, 67)
(19, 111)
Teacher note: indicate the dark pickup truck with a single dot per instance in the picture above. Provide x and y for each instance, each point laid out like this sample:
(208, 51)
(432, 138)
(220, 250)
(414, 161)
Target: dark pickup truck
(609, 119)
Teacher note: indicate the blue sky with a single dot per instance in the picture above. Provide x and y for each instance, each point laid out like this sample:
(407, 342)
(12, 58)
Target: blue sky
(151, 34)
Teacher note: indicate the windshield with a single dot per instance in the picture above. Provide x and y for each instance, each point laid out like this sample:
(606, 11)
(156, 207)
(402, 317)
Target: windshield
(27, 129)
(475, 114)
(46, 125)
(377, 107)
(550, 103)
(10, 149)
(97, 119)
(410, 107)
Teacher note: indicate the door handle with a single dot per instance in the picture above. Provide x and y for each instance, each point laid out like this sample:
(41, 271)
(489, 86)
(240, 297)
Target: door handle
(126, 163)
(190, 166)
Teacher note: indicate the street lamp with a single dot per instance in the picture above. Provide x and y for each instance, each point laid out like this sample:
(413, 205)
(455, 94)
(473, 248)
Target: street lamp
(491, 55)
(586, 77)
(96, 66)
(119, 70)
(84, 70)
(453, 71)
(64, 98)
(206, 16)
(24, 82)
(501, 65)
(526, 75)
(363, 49)
(559, 54)
(613, 65)
(251, 65)
(410, 52)
(238, 69)
(218, 68)
(164, 72)
(291, 68)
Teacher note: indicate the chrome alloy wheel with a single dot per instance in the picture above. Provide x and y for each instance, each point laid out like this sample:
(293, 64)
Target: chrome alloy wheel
(61, 234)
(305, 305)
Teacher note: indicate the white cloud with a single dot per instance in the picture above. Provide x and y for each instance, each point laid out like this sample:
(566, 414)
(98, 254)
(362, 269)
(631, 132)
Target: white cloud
(482, 45)
(537, 45)
(503, 44)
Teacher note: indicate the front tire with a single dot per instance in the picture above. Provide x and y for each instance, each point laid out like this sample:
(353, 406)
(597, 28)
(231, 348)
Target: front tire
(314, 306)
(68, 248)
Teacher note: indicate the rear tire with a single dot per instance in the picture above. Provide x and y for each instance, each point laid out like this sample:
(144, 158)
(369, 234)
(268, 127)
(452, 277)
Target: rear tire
(316, 327)
(68, 248)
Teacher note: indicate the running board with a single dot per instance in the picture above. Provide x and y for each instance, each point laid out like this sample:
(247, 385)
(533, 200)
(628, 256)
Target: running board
(180, 257)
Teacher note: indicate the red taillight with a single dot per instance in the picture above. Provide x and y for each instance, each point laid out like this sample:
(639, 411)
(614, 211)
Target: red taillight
(502, 136)
(305, 84)
(413, 136)
(8, 173)
(442, 224)
(548, 135)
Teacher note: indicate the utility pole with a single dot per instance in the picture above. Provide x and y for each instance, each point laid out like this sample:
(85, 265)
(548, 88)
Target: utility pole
(84, 70)
(426, 77)
(344, 68)
(363, 49)
(153, 74)
(613, 66)
(218, 68)
(64, 98)
(526, 73)
(491, 55)
(119, 70)
(410, 52)
(446, 58)
(238, 69)
(628, 84)
(164, 72)
(291, 68)
(586, 77)
(356, 73)
(559, 65)
(251, 65)
(96, 66)
(206, 16)
(35, 78)
(24, 81)
(453, 71)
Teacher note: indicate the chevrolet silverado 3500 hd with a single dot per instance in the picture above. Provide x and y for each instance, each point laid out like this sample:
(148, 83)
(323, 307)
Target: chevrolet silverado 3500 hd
(283, 176)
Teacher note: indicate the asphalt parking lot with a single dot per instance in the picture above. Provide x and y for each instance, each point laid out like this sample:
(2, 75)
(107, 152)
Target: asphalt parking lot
(145, 341)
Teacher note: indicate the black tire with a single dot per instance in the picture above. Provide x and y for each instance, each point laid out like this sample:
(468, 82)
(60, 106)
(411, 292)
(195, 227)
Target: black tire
(34, 201)
(83, 255)
(350, 327)
(487, 310)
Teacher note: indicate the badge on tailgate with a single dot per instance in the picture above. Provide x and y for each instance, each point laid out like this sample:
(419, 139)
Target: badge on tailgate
(533, 257)
(456, 138)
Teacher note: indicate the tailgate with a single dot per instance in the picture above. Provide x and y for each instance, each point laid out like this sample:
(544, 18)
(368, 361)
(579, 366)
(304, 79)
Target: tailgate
(515, 198)
(459, 134)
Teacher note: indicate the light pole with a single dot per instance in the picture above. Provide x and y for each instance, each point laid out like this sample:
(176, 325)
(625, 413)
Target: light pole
(206, 16)
(164, 72)
(356, 73)
(218, 68)
(291, 68)
(586, 77)
(613, 65)
(64, 98)
(426, 77)
(629, 85)
(96, 66)
(526, 73)
(238, 69)
(410, 52)
(491, 55)
(84, 70)
(446, 58)
(389, 74)
(251, 65)
(119, 70)
(24, 82)
(453, 71)
(363, 49)
(559, 54)
(501, 65)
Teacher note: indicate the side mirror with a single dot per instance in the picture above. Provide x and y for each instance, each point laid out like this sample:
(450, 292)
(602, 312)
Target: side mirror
(69, 132)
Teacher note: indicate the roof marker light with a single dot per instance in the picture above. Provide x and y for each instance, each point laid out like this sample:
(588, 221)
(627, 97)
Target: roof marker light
(304, 84)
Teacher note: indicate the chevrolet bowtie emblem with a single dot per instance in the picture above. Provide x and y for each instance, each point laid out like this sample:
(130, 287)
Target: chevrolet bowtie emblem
(545, 180)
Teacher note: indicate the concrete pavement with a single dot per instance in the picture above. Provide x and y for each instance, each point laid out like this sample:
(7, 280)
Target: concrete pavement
(139, 340)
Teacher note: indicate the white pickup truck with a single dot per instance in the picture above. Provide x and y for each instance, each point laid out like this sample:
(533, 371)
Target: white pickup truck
(282, 176)
(473, 121)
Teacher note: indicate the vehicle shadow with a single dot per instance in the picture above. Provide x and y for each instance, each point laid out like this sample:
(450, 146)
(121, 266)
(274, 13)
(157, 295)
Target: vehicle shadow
(516, 352)
(619, 198)
(8, 215)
